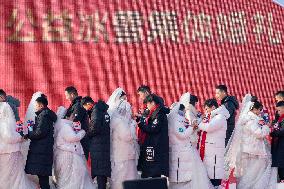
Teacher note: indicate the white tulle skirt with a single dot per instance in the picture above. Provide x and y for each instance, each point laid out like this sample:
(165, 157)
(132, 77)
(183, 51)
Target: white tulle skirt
(199, 178)
(24, 150)
(12, 174)
(122, 171)
(70, 171)
(257, 173)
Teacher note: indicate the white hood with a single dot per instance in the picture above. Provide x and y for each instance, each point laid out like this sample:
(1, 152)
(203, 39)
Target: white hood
(221, 111)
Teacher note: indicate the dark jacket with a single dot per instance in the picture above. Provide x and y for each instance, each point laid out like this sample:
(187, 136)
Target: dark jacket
(40, 155)
(76, 113)
(14, 104)
(99, 134)
(231, 104)
(277, 146)
(155, 149)
(276, 118)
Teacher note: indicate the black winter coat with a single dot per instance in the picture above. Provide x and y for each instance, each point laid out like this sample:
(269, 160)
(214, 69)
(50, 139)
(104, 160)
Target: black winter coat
(231, 104)
(40, 155)
(155, 150)
(277, 146)
(76, 113)
(99, 134)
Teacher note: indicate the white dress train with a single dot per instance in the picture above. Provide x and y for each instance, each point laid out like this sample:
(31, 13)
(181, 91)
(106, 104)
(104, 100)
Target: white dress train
(12, 172)
(70, 171)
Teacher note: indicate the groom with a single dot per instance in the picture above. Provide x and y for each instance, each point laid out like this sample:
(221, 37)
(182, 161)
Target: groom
(40, 155)
(77, 114)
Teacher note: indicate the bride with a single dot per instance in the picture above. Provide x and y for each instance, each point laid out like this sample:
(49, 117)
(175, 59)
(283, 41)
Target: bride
(124, 146)
(70, 167)
(11, 159)
(186, 168)
(248, 152)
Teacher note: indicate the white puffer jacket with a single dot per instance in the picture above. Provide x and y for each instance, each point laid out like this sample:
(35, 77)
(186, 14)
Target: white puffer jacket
(10, 140)
(124, 145)
(192, 116)
(66, 138)
(254, 133)
(215, 142)
(181, 157)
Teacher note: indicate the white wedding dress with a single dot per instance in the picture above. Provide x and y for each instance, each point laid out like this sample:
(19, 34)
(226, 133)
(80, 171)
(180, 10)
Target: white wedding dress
(252, 171)
(124, 145)
(184, 157)
(70, 167)
(12, 174)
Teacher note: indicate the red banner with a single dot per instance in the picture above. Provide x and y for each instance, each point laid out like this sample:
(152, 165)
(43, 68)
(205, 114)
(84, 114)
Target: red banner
(174, 46)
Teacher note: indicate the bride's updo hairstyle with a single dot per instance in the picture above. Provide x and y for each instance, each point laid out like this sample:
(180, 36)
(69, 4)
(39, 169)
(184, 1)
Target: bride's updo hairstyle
(256, 105)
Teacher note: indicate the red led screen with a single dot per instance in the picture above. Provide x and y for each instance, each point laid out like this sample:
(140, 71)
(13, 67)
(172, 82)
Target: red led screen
(174, 46)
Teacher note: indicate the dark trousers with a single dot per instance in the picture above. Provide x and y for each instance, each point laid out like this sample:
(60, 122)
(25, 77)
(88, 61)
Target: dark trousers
(44, 182)
(85, 142)
(281, 173)
(216, 182)
(101, 180)
(229, 132)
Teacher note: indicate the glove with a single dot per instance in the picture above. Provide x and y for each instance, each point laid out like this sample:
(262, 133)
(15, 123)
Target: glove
(77, 126)
(30, 124)
(19, 127)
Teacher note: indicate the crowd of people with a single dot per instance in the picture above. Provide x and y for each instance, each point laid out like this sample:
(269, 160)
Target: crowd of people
(193, 149)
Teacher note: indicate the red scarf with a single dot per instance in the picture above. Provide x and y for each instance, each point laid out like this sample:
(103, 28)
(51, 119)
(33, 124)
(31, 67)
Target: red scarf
(203, 140)
(142, 135)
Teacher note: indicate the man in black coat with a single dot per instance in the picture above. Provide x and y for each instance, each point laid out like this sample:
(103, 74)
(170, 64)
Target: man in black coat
(77, 113)
(277, 145)
(155, 149)
(231, 104)
(143, 91)
(40, 155)
(99, 133)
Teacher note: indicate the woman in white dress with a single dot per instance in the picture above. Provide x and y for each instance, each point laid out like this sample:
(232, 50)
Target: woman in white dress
(248, 152)
(70, 167)
(191, 114)
(124, 146)
(186, 168)
(11, 159)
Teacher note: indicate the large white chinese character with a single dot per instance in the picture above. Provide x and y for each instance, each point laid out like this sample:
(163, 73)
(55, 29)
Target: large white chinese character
(163, 25)
(57, 27)
(128, 26)
(17, 24)
(274, 37)
(232, 27)
(201, 25)
(91, 26)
